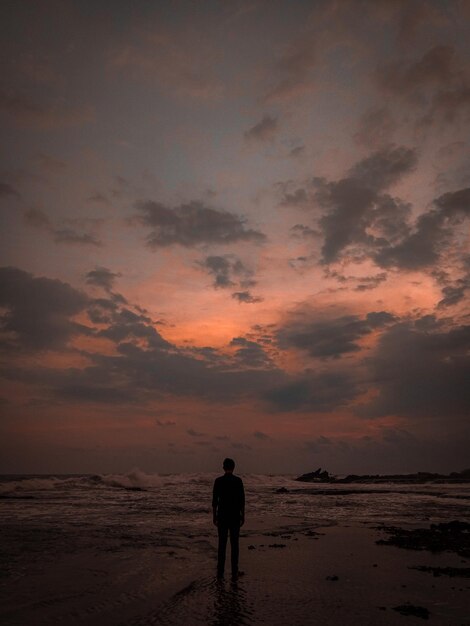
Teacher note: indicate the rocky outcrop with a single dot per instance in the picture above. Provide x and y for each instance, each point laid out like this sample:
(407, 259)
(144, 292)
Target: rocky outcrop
(316, 477)
(320, 476)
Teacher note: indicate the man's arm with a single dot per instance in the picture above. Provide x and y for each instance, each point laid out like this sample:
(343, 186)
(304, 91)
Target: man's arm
(215, 499)
(242, 503)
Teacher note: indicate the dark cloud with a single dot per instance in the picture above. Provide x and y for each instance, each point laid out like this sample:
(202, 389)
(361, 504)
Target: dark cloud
(326, 391)
(228, 271)
(249, 353)
(264, 130)
(420, 249)
(331, 337)
(299, 197)
(370, 282)
(221, 268)
(69, 235)
(7, 190)
(405, 77)
(102, 277)
(303, 232)
(432, 234)
(454, 287)
(192, 224)
(261, 436)
(357, 212)
(246, 297)
(143, 367)
(100, 310)
(384, 167)
(39, 315)
(38, 311)
(454, 203)
(361, 221)
(436, 85)
(164, 424)
(453, 294)
(195, 433)
(421, 370)
(125, 324)
(38, 219)
(297, 152)
(345, 221)
(301, 263)
(98, 198)
(362, 283)
(155, 370)
(390, 219)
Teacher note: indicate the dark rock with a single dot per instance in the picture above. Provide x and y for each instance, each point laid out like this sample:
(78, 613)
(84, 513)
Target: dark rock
(461, 572)
(449, 537)
(410, 609)
(277, 545)
(282, 490)
(418, 477)
(333, 578)
(452, 527)
(316, 476)
(251, 548)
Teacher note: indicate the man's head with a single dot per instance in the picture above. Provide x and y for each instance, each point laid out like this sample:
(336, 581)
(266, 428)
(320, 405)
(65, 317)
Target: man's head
(229, 465)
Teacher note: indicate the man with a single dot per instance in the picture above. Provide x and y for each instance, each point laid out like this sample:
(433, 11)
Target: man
(228, 510)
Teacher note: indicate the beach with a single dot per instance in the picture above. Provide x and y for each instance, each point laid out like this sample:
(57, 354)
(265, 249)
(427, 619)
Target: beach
(296, 570)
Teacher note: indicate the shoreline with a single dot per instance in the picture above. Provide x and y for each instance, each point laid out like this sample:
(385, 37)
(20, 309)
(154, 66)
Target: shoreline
(295, 573)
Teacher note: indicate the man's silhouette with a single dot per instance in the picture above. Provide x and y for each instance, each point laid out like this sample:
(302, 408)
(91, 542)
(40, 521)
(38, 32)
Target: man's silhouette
(228, 509)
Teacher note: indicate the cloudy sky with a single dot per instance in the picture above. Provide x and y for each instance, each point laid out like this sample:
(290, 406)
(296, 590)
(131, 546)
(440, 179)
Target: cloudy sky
(235, 228)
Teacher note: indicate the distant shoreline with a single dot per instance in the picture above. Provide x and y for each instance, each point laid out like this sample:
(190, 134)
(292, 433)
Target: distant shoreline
(416, 478)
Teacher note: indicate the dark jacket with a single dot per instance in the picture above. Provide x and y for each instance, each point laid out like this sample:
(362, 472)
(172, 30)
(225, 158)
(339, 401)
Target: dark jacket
(228, 498)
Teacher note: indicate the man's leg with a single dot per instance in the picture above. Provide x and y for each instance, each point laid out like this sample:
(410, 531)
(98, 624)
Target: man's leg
(234, 548)
(223, 534)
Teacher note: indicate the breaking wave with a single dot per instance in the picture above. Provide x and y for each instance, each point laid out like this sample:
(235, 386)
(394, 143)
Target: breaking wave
(136, 479)
(132, 480)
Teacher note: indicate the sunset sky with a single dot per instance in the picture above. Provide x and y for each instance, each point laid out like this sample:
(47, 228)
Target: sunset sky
(235, 229)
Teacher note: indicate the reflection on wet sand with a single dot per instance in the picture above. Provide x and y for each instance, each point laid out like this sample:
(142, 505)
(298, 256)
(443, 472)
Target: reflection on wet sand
(206, 601)
(230, 605)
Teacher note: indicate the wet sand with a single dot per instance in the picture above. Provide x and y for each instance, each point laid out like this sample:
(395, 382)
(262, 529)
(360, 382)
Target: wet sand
(295, 574)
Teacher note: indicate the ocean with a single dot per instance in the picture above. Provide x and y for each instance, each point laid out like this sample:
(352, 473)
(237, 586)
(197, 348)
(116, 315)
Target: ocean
(178, 503)
(139, 549)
